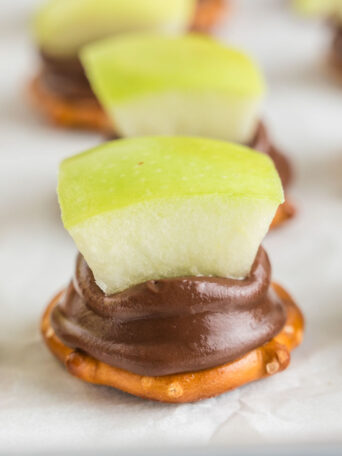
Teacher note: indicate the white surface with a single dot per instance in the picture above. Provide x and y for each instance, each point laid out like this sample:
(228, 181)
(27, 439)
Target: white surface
(41, 406)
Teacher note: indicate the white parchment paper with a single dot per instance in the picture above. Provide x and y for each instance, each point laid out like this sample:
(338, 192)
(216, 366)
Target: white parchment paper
(43, 407)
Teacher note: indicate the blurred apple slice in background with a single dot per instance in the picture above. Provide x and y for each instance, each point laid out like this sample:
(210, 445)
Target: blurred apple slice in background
(61, 27)
(191, 85)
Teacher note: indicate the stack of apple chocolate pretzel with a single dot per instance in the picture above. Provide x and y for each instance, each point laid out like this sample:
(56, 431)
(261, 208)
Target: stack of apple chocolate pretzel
(172, 297)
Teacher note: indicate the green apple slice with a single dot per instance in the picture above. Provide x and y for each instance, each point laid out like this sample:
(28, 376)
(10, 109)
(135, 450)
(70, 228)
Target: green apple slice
(155, 207)
(61, 27)
(189, 85)
(337, 12)
(316, 7)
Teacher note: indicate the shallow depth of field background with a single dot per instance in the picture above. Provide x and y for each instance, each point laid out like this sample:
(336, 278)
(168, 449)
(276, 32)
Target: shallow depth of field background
(41, 406)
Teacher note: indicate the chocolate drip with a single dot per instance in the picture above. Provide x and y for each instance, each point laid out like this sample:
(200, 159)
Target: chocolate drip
(170, 326)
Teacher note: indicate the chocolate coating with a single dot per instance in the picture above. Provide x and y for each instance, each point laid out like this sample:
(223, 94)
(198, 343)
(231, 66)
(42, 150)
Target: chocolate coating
(263, 143)
(65, 77)
(337, 45)
(170, 326)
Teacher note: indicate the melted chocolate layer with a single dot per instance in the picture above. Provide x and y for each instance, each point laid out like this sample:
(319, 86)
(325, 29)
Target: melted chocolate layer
(170, 326)
(263, 143)
(66, 78)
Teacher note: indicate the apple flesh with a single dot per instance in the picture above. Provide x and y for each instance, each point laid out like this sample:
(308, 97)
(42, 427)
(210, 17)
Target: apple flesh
(210, 115)
(189, 85)
(61, 27)
(156, 207)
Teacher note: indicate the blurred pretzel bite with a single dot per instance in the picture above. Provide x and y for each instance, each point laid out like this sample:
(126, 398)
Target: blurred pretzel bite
(267, 360)
(209, 13)
(61, 28)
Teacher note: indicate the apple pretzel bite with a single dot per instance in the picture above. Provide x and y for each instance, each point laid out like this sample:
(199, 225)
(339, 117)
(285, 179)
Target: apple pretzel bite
(172, 296)
(208, 14)
(63, 27)
(267, 360)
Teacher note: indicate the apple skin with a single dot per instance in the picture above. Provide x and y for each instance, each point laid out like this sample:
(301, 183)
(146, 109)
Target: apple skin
(141, 63)
(124, 172)
(61, 27)
(156, 207)
(190, 85)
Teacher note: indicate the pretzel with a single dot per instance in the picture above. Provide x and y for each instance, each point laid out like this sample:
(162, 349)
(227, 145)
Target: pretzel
(285, 212)
(84, 113)
(264, 361)
(208, 13)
